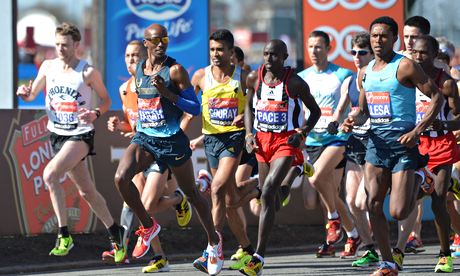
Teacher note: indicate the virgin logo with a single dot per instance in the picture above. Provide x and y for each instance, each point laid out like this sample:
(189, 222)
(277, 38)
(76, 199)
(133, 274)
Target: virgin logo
(326, 5)
(375, 97)
(342, 40)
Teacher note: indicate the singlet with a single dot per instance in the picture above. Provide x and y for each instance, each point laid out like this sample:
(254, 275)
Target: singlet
(157, 116)
(391, 105)
(275, 110)
(353, 94)
(130, 104)
(66, 93)
(325, 88)
(422, 102)
(221, 102)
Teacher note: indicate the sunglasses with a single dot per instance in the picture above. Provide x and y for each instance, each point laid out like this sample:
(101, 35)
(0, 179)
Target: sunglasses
(156, 40)
(359, 52)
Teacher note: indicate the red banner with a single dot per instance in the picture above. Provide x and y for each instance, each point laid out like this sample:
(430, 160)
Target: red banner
(341, 19)
(28, 151)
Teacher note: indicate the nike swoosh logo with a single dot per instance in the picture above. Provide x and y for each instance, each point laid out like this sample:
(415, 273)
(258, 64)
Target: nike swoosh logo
(384, 78)
(179, 157)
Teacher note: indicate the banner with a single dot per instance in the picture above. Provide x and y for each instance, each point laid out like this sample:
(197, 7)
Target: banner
(28, 151)
(187, 25)
(341, 19)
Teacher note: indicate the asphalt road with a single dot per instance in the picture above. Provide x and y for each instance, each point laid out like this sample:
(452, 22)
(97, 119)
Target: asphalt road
(292, 264)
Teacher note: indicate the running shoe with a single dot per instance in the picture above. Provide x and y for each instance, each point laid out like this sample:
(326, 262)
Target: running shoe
(253, 268)
(63, 246)
(119, 244)
(157, 264)
(385, 270)
(325, 250)
(285, 201)
(351, 248)
(215, 257)
(308, 169)
(370, 257)
(456, 243)
(398, 257)
(108, 257)
(455, 186)
(428, 184)
(334, 231)
(414, 245)
(241, 263)
(240, 253)
(456, 253)
(203, 181)
(201, 263)
(444, 265)
(183, 210)
(146, 235)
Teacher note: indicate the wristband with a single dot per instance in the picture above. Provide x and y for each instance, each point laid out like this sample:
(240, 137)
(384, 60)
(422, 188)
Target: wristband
(98, 113)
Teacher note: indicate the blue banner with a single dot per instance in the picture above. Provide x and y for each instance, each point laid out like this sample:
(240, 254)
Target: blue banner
(187, 24)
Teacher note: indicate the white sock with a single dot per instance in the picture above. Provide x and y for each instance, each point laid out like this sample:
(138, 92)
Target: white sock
(333, 215)
(259, 257)
(353, 234)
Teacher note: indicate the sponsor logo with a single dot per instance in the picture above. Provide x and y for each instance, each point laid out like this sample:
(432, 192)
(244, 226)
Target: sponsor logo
(158, 10)
(326, 5)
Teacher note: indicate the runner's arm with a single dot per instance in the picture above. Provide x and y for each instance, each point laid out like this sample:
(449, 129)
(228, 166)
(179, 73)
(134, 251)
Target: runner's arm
(29, 92)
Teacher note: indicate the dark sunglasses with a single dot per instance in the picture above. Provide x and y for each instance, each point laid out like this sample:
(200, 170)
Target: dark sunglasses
(156, 40)
(359, 52)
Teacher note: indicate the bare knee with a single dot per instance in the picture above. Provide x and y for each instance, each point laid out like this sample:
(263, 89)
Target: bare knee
(218, 190)
(121, 178)
(374, 206)
(399, 212)
(51, 178)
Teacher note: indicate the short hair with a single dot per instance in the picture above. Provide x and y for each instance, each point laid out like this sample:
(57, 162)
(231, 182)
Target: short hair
(362, 40)
(431, 41)
(324, 35)
(386, 20)
(419, 22)
(143, 50)
(239, 54)
(69, 29)
(446, 47)
(223, 35)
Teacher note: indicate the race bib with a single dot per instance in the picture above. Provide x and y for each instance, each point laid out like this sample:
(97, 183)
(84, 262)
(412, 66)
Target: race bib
(324, 120)
(222, 111)
(151, 113)
(272, 115)
(64, 113)
(379, 107)
(421, 108)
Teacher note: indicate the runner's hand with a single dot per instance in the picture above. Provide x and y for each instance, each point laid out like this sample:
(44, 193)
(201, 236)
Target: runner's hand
(112, 123)
(159, 83)
(86, 116)
(238, 121)
(251, 145)
(332, 128)
(409, 139)
(295, 139)
(24, 91)
(347, 125)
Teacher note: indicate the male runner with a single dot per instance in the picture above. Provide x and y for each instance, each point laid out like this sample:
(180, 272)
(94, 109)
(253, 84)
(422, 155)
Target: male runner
(69, 85)
(223, 101)
(387, 95)
(276, 94)
(325, 150)
(164, 94)
(354, 152)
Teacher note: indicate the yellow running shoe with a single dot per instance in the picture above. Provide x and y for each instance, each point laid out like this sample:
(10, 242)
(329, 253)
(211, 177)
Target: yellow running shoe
(308, 169)
(63, 246)
(253, 268)
(240, 253)
(157, 264)
(183, 210)
(398, 257)
(444, 265)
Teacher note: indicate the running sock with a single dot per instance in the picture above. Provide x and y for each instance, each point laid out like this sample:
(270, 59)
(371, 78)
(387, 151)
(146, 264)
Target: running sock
(353, 234)
(113, 230)
(258, 257)
(64, 231)
(249, 249)
(127, 218)
(333, 215)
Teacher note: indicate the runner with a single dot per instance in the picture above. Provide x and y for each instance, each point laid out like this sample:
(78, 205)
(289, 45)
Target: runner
(324, 148)
(69, 85)
(354, 152)
(223, 102)
(165, 93)
(387, 95)
(276, 94)
(157, 188)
